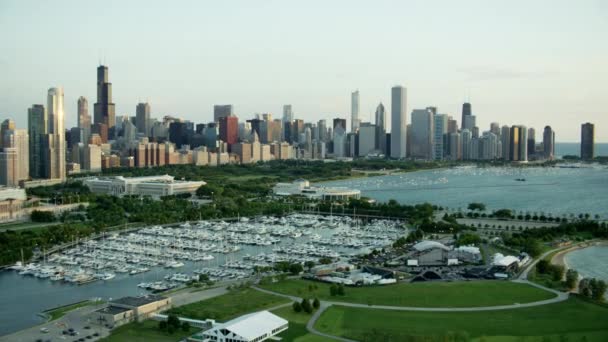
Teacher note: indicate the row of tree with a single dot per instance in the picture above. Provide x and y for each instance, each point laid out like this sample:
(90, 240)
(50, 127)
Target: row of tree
(305, 305)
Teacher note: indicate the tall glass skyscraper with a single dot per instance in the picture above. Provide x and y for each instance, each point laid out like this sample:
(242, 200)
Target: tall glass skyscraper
(398, 122)
(104, 111)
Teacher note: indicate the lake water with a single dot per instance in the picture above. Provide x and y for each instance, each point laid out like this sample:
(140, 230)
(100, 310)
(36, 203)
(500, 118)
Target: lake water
(589, 262)
(563, 149)
(549, 190)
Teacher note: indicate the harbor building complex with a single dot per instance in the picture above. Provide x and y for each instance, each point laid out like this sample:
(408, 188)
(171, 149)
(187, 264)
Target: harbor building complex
(154, 186)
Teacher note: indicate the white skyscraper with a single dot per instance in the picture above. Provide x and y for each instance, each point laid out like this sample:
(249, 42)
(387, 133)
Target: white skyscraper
(354, 111)
(422, 134)
(56, 142)
(398, 122)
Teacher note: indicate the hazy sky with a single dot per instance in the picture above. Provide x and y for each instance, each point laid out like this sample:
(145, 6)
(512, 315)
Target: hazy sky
(519, 62)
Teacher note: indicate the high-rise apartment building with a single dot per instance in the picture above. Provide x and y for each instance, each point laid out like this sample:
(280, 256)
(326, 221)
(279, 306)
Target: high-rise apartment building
(587, 141)
(398, 122)
(439, 135)
(549, 143)
(18, 139)
(531, 141)
(6, 125)
(54, 148)
(104, 108)
(84, 119)
(142, 119)
(354, 111)
(518, 146)
(505, 139)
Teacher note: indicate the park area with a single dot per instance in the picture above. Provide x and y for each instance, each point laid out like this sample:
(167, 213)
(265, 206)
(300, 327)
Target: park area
(431, 295)
(571, 320)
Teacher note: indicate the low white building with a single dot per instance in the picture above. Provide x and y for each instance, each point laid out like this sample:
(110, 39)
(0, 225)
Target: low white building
(154, 186)
(302, 187)
(254, 327)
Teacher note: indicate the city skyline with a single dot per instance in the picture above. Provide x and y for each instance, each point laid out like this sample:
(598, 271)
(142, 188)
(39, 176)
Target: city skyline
(512, 86)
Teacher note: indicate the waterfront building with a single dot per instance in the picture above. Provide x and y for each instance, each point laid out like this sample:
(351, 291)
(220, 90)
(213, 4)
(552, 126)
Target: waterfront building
(398, 122)
(440, 131)
(466, 138)
(354, 111)
(153, 186)
(495, 128)
(518, 147)
(220, 111)
(104, 108)
(254, 327)
(422, 136)
(142, 118)
(531, 143)
(302, 187)
(130, 309)
(455, 146)
(549, 143)
(505, 141)
(587, 141)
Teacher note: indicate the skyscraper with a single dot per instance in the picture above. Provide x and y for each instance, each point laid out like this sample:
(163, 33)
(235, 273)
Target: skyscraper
(505, 140)
(439, 132)
(287, 113)
(6, 125)
(54, 144)
(37, 126)
(398, 122)
(322, 129)
(18, 139)
(466, 138)
(587, 141)
(381, 128)
(495, 128)
(466, 112)
(142, 118)
(354, 111)
(422, 134)
(518, 147)
(531, 141)
(9, 167)
(220, 111)
(104, 109)
(367, 139)
(549, 143)
(229, 129)
(84, 119)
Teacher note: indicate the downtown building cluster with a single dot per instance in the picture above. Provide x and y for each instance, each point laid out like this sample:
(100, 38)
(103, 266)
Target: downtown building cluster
(46, 152)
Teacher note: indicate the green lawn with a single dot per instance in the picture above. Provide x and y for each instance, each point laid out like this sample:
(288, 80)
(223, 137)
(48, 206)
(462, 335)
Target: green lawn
(572, 320)
(297, 326)
(146, 331)
(230, 305)
(434, 294)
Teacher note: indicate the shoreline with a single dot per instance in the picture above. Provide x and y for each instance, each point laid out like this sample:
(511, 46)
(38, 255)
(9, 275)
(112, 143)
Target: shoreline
(560, 257)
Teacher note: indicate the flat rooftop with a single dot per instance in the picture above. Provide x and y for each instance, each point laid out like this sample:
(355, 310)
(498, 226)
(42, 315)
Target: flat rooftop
(112, 310)
(137, 301)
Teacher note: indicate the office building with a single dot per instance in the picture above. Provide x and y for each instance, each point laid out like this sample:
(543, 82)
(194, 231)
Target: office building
(495, 128)
(381, 128)
(84, 118)
(229, 129)
(339, 142)
(37, 126)
(9, 167)
(422, 136)
(18, 139)
(466, 112)
(6, 125)
(587, 141)
(287, 113)
(104, 108)
(142, 119)
(466, 138)
(354, 111)
(153, 186)
(367, 139)
(549, 143)
(505, 140)
(220, 111)
(322, 129)
(398, 122)
(455, 152)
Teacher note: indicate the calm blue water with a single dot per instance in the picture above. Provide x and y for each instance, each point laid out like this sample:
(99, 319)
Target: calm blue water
(549, 190)
(589, 262)
(562, 149)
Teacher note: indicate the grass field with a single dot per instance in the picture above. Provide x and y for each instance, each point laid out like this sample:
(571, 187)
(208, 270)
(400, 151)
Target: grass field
(435, 294)
(572, 320)
(297, 326)
(146, 331)
(230, 305)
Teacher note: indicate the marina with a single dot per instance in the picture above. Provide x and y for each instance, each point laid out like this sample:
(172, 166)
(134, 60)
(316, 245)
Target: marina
(158, 258)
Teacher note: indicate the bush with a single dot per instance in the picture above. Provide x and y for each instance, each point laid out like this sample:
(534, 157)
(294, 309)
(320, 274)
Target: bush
(306, 305)
(333, 290)
(571, 279)
(42, 216)
(185, 326)
(340, 291)
(316, 303)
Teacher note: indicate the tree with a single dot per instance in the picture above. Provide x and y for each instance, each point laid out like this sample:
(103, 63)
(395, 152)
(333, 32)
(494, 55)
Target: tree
(598, 288)
(309, 265)
(477, 206)
(185, 326)
(162, 325)
(296, 307)
(306, 305)
(295, 268)
(584, 287)
(333, 290)
(557, 272)
(42, 216)
(542, 266)
(341, 290)
(571, 279)
(316, 303)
